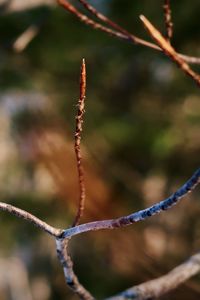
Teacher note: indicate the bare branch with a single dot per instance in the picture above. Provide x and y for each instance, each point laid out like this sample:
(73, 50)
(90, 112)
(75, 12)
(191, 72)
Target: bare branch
(168, 19)
(67, 264)
(118, 31)
(160, 286)
(139, 215)
(190, 268)
(20, 213)
(79, 125)
(88, 21)
(107, 21)
(169, 50)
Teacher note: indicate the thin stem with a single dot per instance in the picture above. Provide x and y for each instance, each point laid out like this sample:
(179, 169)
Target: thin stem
(168, 19)
(169, 50)
(158, 287)
(20, 213)
(106, 20)
(67, 264)
(118, 31)
(139, 215)
(77, 144)
(88, 21)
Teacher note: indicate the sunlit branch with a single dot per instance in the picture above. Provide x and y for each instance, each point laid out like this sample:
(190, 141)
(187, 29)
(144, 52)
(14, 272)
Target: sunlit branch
(118, 31)
(169, 50)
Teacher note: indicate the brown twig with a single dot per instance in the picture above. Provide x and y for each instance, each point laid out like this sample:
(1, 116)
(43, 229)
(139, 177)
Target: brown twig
(67, 264)
(79, 128)
(158, 287)
(107, 21)
(169, 50)
(66, 5)
(168, 19)
(118, 31)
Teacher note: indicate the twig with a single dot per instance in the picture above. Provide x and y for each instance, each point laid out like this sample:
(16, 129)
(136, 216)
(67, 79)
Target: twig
(79, 125)
(119, 32)
(168, 19)
(139, 215)
(30, 218)
(107, 21)
(169, 50)
(88, 21)
(25, 38)
(67, 264)
(160, 286)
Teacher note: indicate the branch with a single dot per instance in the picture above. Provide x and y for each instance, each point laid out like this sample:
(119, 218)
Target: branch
(118, 31)
(88, 21)
(168, 19)
(139, 215)
(107, 21)
(160, 286)
(79, 123)
(169, 50)
(20, 213)
(67, 264)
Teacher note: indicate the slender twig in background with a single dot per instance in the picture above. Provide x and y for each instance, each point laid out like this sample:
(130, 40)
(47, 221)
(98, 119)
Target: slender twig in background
(20, 213)
(169, 50)
(77, 144)
(168, 19)
(139, 215)
(25, 38)
(67, 264)
(118, 31)
(160, 286)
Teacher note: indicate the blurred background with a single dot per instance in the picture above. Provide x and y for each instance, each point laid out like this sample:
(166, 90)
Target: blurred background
(141, 141)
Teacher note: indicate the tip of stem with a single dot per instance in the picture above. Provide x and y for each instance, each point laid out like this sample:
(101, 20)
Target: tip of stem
(142, 17)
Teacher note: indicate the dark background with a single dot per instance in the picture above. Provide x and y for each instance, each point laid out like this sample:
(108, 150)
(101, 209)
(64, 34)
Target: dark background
(141, 141)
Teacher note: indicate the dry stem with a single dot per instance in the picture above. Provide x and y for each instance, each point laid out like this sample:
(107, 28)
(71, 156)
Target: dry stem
(169, 50)
(66, 5)
(79, 128)
(168, 19)
(118, 31)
